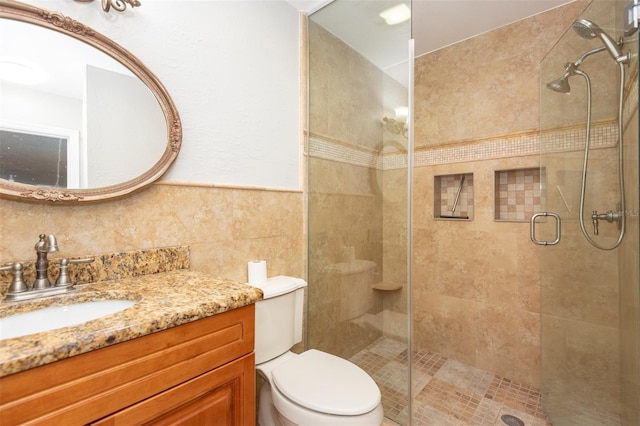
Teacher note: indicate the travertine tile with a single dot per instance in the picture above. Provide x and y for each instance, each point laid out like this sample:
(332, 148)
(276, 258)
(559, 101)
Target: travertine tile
(224, 227)
(447, 392)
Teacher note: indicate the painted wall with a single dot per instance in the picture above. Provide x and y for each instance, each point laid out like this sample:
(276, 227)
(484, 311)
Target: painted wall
(235, 192)
(223, 63)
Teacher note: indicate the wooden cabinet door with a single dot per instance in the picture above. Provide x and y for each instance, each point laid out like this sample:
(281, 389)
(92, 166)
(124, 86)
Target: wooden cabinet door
(90, 386)
(224, 396)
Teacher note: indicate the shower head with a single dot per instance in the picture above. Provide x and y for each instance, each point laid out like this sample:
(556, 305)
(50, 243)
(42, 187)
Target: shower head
(588, 30)
(560, 85)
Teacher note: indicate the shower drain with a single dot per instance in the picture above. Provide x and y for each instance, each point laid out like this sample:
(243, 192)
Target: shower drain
(511, 420)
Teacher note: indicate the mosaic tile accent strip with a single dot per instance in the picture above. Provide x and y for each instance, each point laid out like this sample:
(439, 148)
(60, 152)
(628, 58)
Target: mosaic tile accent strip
(510, 146)
(342, 152)
(394, 161)
(446, 189)
(113, 266)
(446, 392)
(603, 135)
(518, 194)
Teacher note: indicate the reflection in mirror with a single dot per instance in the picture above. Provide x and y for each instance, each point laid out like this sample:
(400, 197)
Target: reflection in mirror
(119, 5)
(47, 158)
(80, 118)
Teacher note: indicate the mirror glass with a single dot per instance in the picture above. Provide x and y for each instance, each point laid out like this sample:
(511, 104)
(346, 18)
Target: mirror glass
(80, 118)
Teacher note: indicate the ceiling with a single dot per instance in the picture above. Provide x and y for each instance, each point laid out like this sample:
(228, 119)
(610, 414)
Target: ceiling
(435, 23)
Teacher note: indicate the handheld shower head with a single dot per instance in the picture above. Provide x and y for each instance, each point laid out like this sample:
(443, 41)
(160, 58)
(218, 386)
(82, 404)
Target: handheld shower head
(588, 30)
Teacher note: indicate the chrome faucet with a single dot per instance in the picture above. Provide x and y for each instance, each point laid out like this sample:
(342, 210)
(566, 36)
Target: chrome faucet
(47, 244)
(41, 287)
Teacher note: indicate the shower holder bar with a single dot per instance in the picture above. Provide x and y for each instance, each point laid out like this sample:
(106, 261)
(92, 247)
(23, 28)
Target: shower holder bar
(533, 228)
(631, 17)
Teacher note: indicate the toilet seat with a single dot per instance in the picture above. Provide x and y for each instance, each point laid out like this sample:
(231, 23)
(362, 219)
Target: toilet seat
(327, 384)
(285, 412)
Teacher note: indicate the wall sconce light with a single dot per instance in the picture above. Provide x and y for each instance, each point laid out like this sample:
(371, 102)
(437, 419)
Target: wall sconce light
(399, 124)
(119, 5)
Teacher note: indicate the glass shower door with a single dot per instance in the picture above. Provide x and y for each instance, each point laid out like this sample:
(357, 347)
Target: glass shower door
(358, 148)
(590, 322)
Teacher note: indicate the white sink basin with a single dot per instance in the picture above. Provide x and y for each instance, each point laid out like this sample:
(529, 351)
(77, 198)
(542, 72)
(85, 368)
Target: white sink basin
(55, 317)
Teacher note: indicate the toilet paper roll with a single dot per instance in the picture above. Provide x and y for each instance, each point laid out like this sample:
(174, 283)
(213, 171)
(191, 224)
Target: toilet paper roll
(257, 272)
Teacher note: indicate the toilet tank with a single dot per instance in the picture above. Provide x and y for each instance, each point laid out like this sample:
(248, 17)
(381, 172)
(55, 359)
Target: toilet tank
(278, 317)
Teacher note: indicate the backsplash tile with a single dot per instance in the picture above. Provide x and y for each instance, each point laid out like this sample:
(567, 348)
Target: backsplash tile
(112, 266)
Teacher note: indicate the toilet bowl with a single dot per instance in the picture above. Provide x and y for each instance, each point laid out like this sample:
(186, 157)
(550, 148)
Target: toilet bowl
(311, 388)
(317, 388)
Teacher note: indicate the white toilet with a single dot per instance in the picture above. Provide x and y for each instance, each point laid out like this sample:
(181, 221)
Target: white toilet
(313, 388)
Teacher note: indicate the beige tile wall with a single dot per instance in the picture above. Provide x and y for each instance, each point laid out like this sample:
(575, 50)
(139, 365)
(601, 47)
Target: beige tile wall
(224, 227)
(629, 291)
(475, 293)
(629, 258)
(476, 286)
(348, 99)
(488, 85)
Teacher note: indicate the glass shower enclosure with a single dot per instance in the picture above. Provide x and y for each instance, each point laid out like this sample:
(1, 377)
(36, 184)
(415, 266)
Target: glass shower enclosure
(358, 146)
(590, 318)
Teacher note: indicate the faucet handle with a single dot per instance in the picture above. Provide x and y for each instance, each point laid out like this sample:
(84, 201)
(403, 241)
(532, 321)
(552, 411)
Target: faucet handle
(83, 260)
(17, 283)
(63, 279)
(595, 217)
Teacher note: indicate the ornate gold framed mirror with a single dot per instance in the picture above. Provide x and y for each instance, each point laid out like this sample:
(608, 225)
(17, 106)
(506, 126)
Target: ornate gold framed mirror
(122, 131)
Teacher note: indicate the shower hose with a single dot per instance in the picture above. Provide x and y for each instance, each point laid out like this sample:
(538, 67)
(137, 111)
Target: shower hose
(620, 162)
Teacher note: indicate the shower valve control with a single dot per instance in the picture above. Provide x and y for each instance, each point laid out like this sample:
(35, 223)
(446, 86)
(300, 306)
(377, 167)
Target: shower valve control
(610, 216)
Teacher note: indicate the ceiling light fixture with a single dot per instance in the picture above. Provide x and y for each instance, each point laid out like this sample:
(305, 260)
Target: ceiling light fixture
(396, 14)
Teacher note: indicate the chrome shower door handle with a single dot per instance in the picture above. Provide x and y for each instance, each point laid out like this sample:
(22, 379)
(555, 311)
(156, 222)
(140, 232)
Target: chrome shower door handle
(533, 228)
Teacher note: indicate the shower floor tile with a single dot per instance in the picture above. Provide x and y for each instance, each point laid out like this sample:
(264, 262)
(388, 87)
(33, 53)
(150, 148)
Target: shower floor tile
(446, 392)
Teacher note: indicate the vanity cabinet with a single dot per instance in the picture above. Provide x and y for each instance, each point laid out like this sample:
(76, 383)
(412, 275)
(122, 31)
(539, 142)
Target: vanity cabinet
(198, 373)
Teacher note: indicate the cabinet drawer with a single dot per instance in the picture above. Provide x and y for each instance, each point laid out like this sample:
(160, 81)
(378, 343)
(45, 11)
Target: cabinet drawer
(224, 396)
(87, 387)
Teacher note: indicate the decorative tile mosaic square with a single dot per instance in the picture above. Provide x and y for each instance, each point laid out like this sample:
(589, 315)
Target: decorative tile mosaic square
(454, 196)
(518, 194)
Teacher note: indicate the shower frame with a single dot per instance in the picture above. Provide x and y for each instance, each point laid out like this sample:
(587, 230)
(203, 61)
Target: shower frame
(590, 351)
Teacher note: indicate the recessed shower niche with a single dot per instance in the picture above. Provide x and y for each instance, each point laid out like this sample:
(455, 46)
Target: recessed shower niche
(518, 194)
(453, 197)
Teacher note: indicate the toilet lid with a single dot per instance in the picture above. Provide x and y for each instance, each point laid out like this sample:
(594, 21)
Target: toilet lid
(326, 383)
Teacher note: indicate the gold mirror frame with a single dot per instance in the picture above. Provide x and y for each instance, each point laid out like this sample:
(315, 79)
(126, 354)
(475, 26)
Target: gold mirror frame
(10, 9)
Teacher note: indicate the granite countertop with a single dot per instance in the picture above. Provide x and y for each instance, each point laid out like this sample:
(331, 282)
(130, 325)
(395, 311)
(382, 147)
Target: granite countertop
(163, 300)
